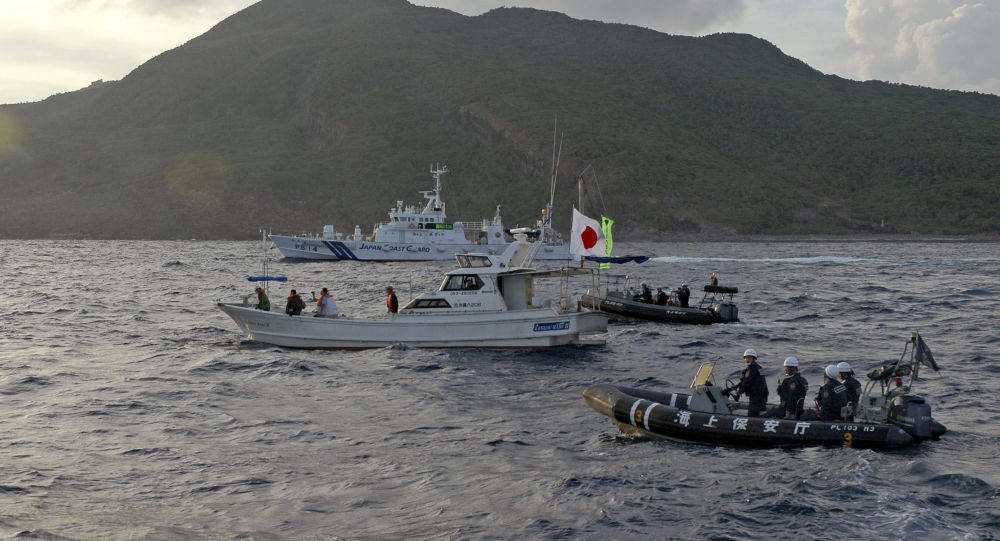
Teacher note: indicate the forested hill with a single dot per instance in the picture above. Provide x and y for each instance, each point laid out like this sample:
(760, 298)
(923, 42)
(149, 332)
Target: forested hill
(297, 113)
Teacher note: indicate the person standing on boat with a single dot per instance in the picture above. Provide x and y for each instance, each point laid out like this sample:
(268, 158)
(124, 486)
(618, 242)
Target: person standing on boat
(683, 294)
(263, 303)
(831, 399)
(853, 385)
(752, 384)
(791, 392)
(325, 305)
(294, 305)
(391, 302)
(713, 280)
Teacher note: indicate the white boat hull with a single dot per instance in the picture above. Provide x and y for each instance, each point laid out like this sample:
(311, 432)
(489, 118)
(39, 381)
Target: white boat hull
(352, 250)
(535, 328)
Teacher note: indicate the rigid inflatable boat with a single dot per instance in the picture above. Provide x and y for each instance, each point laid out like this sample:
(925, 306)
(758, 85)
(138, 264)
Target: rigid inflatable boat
(886, 417)
(716, 306)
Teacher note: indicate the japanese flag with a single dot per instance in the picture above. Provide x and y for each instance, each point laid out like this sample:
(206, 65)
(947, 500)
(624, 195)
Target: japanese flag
(587, 237)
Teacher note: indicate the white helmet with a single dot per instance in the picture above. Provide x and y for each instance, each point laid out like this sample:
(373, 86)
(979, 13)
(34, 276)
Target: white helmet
(750, 353)
(832, 371)
(844, 367)
(792, 361)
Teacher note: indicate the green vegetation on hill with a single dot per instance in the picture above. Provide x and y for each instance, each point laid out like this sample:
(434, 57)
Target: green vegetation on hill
(293, 114)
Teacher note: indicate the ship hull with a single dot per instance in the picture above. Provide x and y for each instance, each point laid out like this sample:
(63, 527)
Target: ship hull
(537, 328)
(315, 248)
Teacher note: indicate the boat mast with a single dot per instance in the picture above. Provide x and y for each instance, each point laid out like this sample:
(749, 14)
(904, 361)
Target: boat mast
(434, 196)
(263, 256)
(553, 178)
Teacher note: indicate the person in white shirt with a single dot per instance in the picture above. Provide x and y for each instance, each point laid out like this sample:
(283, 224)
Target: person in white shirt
(325, 305)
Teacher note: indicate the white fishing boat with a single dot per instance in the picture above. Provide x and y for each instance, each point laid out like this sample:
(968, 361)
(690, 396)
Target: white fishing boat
(489, 301)
(415, 234)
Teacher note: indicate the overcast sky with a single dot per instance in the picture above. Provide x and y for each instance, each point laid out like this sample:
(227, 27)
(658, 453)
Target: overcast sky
(50, 46)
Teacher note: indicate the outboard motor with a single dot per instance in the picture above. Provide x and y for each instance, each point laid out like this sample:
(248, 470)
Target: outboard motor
(912, 414)
(726, 312)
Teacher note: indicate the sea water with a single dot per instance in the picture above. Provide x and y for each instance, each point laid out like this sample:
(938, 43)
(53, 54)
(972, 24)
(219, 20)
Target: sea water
(130, 407)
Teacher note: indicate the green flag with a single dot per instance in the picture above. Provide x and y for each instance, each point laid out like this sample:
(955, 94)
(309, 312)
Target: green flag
(606, 224)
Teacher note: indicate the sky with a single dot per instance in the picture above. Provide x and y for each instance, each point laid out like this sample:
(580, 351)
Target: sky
(51, 46)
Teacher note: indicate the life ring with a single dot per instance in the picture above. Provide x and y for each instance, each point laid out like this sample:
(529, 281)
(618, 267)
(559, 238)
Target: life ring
(412, 226)
(497, 234)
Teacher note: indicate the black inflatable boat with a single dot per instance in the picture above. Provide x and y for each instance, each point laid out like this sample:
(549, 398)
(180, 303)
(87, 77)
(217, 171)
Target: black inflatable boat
(716, 306)
(889, 419)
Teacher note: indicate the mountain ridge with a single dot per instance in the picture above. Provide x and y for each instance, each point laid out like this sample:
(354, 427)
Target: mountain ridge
(297, 114)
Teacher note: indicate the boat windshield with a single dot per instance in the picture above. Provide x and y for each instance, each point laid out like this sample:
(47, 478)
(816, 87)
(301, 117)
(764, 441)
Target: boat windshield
(473, 261)
(462, 282)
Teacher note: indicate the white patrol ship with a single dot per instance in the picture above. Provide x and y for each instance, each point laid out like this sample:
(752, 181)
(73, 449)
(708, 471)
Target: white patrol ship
(412, 234)
(488, 302)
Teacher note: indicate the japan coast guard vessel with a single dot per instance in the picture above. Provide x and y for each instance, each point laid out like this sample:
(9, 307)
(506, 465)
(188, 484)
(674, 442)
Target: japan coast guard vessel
(488, 302)
(412, 234)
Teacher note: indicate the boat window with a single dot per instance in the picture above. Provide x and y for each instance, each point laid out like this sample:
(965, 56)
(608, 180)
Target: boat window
(428, 303)
(463, 282)
(463, 261)
(479, 261)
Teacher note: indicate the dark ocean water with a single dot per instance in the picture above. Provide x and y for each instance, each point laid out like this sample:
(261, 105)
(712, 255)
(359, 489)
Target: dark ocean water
(131, 408)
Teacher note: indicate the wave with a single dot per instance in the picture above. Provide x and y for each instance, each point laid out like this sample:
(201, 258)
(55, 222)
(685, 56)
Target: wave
(807, 317)
(756, 326)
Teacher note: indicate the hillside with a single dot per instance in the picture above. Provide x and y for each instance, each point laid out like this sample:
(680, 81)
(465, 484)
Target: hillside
(293, 114)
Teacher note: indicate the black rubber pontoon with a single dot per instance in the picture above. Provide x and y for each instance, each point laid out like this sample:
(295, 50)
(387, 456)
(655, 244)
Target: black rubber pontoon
(656, 418)
(886, 416)
(710, 310)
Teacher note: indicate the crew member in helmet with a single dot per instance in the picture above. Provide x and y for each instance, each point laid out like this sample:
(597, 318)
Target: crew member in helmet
(832, 397)
(853, 385)
(683, 294)
(791, 392)
(752, 384)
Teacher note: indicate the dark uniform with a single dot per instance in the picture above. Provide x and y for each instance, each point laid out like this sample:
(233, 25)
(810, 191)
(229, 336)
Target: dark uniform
(661, 298)
(853, 389)
(295, 305)
(647, 295)
(683, 294)
(832, 397)
(754, 386)
(792, 392)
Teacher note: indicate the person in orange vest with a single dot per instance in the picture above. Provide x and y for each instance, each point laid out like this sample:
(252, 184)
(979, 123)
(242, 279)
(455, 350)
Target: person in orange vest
(325, 305)
(392, 303)
(263, 303)
(295, 305)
